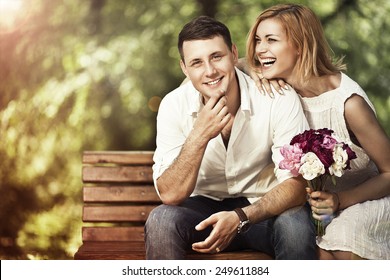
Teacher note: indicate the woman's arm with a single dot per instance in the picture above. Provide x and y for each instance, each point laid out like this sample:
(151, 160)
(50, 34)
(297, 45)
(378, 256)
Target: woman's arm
(363, 123)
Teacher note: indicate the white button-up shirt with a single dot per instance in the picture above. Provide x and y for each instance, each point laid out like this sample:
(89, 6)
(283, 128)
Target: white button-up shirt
(249, 165)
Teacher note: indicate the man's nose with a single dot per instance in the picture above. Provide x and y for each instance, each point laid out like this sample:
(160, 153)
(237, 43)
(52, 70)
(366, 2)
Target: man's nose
(210, 69)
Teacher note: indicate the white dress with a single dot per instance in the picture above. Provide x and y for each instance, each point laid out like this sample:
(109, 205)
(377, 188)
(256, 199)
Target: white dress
(363, 228)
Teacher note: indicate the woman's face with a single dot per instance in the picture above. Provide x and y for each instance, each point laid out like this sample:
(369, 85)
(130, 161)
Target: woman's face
(277, 56)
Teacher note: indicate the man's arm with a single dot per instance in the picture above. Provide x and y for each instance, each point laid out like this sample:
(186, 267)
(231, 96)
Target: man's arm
(288, 120)
(178, 181)
(286, 195)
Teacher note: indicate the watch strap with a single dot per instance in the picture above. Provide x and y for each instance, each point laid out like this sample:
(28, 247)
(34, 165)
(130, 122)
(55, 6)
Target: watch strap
(241, 214)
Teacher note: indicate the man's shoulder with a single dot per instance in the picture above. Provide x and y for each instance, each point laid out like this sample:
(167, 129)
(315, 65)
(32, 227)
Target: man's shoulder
(182, 92)
(287, 103)
(181, 98)
(289, 94)
(246, 81)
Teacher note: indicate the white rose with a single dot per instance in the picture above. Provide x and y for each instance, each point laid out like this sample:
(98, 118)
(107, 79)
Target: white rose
(340, 158)
(311, 166)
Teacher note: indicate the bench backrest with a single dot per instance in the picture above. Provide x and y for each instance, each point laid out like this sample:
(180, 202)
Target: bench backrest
(118, 195)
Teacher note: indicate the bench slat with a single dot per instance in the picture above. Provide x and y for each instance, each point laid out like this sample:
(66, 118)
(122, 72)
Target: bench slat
(239, 255)
(101, 255)
(93, 246)
(111, 251)
(134, 233)
(118, 174)
(136, 250)
(131, 213)
(120, 194)
(118, 157)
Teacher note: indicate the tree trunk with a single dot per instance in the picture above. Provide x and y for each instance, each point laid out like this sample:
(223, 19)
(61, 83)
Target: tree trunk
(209, 7)
(95, 16)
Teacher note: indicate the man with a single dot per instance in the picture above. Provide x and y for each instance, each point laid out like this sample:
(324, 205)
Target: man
(218, 141)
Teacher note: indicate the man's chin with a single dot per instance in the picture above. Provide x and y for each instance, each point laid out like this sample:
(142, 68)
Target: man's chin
(217, 93)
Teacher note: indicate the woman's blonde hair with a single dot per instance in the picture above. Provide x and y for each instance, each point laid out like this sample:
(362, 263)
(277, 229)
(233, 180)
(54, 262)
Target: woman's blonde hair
(305, 32)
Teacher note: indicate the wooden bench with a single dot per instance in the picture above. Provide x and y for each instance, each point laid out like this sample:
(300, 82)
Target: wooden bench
(118, 195)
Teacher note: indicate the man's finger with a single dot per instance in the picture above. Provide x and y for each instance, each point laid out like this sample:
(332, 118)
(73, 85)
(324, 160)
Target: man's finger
(205, 244)
(205, 223)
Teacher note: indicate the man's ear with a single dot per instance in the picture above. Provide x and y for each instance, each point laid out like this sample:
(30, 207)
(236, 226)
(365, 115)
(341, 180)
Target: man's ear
(183, 67)
(235, 54)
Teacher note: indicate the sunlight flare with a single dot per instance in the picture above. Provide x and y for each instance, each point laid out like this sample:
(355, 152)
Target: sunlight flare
(12, 14)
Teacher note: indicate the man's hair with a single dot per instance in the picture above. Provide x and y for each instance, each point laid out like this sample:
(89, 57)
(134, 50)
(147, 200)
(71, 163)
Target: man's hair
(201, 28)
(305, 32)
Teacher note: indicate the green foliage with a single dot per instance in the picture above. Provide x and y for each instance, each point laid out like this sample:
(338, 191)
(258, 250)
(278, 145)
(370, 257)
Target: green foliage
(89, 75)
(53, 233)
(365, 46)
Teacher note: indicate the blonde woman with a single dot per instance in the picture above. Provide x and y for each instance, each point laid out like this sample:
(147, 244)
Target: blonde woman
(287, 42)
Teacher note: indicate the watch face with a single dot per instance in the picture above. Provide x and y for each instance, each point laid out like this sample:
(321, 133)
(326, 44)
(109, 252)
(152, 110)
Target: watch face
(244, 226)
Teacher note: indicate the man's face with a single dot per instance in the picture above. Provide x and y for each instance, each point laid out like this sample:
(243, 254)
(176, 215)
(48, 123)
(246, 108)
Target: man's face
(209, 64)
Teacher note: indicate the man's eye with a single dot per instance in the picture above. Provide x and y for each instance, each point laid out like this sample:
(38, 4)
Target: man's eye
(217, 57)
(195, 63)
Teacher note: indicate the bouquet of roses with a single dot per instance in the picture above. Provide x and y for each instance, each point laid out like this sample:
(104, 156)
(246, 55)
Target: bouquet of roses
(317, 155)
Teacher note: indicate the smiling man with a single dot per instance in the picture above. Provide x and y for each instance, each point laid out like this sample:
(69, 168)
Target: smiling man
(218, 142)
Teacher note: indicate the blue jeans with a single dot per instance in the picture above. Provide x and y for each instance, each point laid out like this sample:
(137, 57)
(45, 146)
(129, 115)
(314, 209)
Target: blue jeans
(170, 230)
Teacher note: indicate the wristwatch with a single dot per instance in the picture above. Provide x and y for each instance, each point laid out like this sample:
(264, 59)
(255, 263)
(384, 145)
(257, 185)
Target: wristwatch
(244, 224)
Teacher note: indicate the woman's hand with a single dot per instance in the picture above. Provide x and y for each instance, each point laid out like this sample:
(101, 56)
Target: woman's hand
(263, 84)
(323, 204)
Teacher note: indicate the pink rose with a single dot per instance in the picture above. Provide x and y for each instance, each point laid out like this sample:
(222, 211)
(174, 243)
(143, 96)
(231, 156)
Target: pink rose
(292, 158)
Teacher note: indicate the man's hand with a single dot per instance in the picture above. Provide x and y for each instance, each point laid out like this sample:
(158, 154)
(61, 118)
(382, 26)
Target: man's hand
(213, 117)
(224, 230)
(178, 182)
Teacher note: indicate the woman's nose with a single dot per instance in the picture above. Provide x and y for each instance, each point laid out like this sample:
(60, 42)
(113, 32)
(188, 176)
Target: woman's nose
(261, 47)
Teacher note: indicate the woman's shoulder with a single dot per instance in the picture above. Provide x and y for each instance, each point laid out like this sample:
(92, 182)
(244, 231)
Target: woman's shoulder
(350, 85)
(353, 94)
(356, 103)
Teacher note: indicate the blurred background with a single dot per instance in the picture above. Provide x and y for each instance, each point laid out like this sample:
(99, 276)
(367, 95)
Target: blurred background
(81, 75)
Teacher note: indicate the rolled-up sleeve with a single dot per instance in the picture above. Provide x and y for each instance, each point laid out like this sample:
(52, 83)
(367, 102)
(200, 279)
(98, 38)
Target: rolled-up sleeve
(170, 135)
(288, 120)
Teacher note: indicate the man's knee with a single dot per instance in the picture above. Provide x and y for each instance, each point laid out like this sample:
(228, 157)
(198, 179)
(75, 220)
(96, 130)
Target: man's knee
(161, 219)
(294, 217)
(162, 237)
(295, 226)
(295, 234)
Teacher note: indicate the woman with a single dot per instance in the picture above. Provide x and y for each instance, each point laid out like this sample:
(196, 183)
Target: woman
(287, 42)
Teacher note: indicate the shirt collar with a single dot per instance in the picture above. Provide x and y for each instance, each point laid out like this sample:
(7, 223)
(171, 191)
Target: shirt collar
(194, 102)
(245, 90)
